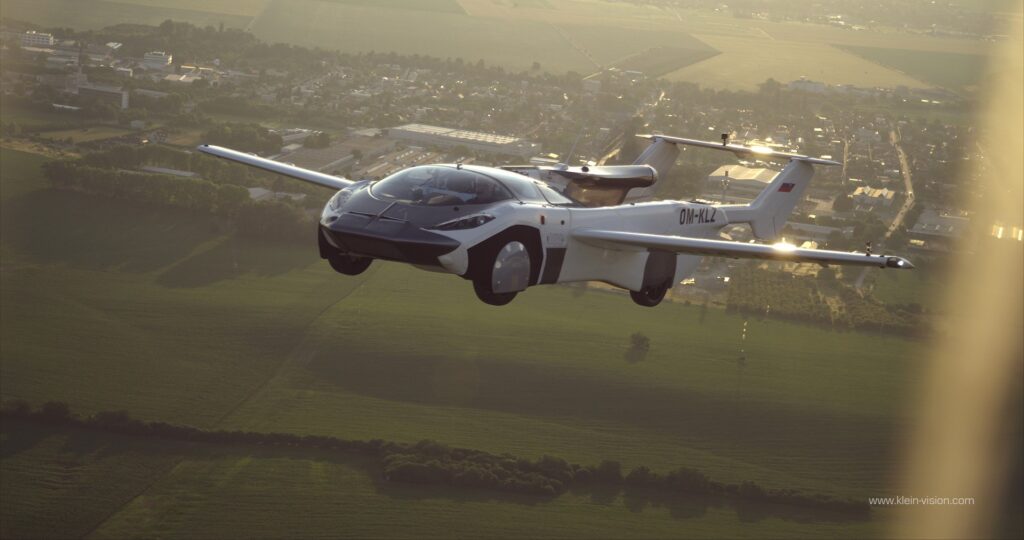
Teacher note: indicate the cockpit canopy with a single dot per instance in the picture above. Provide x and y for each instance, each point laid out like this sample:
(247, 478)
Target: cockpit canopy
(448, 185)
(440, 185)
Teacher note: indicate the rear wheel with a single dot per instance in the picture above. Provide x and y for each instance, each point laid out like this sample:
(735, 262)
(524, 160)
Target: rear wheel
(349, 265)
(649, 296)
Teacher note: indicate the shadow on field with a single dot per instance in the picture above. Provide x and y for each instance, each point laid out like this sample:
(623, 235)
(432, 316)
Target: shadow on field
(91, 232)
(236, 256)
(790, 433)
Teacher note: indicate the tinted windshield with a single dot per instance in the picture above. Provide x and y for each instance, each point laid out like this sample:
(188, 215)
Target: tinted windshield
(440, 186)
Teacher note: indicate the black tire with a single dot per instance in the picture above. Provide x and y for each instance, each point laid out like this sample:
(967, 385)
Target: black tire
(348, 264)
(486, 295)
(649, 296)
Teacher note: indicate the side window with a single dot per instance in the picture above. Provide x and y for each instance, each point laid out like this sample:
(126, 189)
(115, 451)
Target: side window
(555, 197)
(526, 192)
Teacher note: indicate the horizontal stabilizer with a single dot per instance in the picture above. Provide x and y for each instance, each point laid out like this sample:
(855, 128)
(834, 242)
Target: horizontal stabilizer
(760, 152)
(722, 248)
(306, 175)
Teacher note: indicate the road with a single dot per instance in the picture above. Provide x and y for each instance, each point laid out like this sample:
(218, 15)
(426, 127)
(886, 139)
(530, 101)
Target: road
(908, 201)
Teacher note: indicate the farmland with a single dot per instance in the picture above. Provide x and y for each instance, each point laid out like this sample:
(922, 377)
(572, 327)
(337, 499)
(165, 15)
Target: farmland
(955, 71)
(96, 14)
(561, 35)
(169, 489)
(94, 315)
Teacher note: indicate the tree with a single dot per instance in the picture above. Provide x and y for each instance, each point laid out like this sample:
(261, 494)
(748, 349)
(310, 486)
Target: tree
(843, 203)
(319, 139)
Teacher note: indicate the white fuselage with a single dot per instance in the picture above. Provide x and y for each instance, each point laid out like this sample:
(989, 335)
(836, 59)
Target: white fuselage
(580, 261)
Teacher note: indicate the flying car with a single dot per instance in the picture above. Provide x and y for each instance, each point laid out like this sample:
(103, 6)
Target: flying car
(509, 228)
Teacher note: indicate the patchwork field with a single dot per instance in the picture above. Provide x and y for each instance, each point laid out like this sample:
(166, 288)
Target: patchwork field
(162, 314)
(562, 35)
(955, 71)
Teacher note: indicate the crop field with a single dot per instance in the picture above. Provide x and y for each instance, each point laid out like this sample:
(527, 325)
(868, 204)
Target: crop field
(96, 14)
(561, 35)
(659, 61)
(745, 62)
(954, 71)
(441, 6)
(920, 288)
(514, 44)
(96, 314)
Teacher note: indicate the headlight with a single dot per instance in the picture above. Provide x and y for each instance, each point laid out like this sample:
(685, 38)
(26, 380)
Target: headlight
(339, 198)
(468, 222)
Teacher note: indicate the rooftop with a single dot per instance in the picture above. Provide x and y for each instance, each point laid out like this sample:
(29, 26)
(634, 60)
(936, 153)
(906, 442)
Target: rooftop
(461, 134)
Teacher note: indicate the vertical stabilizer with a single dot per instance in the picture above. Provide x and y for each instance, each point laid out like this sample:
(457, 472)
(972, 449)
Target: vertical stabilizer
(661, 155)
(768, 213)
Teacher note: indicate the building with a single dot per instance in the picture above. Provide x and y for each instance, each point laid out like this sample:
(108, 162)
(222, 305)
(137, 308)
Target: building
(473, 140)
(737, 183)
(114, 95)
(935, 225)
(815, 233)
(157, 60)
(36, 39)
(334, 157)
(262, 194)
(872, 197)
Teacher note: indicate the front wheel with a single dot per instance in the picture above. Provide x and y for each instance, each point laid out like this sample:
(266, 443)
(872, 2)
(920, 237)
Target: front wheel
(649, 296)
(486, 295)
(348, 264)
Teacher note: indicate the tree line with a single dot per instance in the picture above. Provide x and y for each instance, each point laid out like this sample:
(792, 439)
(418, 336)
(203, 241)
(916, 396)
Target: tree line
(274, 219)
(764, 293)
(430, 462)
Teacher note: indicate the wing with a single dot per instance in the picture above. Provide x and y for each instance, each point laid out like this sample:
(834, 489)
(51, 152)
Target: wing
(721, 248)
(306, 175)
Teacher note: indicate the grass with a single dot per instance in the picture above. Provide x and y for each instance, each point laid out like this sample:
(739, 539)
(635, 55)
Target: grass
(64, 483)
(73, 482)
(88, 134)
(34, 118)
(954, 71)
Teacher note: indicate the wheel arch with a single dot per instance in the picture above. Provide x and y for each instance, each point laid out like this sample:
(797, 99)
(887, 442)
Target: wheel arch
(481, 255)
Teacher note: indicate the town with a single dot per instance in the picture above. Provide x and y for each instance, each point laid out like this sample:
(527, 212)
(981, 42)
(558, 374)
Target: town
(365, 116)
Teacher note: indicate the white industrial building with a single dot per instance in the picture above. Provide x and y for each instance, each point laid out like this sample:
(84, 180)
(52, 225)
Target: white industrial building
(157, 60)
(737, 183)
(872, 197)
(36, 39)
(473, 140)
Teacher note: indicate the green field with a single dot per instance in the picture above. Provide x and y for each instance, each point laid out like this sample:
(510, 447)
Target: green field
(163, 314)
(180, 490)
(957, 72)
(561, 35)
(96, 14)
